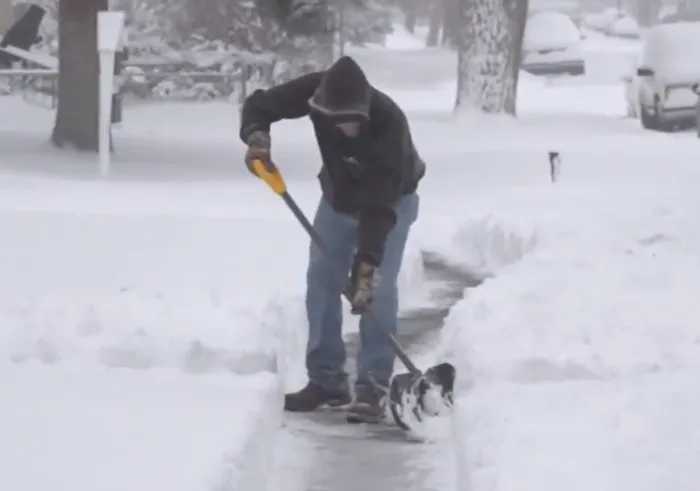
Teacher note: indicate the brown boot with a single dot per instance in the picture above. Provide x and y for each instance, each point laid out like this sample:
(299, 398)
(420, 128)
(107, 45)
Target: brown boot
(367, 406)
(313, 397)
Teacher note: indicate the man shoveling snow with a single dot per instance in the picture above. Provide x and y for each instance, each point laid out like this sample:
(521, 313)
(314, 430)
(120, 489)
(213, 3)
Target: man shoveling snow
(369, 180)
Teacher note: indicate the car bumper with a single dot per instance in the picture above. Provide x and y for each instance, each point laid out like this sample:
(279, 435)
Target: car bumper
(555, 67)
(679, 113)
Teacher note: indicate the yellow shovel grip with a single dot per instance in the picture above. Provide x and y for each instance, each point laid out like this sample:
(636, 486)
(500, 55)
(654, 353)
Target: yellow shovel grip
(273, 179)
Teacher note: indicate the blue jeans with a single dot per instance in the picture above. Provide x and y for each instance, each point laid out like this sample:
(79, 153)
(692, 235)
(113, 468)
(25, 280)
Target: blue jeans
(325, 353)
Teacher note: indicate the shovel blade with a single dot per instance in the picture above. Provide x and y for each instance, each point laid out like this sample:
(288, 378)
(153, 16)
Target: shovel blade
(443, 376)
(415, 395)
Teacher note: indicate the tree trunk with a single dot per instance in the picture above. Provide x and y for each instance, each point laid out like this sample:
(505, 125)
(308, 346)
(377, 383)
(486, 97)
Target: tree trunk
(451, 23)
(78, 87)
(647, 13)
(434, 24)
(489, 55)
(517, 15)
(7, 16)
(410, 21)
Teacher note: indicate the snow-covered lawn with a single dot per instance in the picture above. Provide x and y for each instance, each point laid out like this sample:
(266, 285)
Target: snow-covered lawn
(130, 355)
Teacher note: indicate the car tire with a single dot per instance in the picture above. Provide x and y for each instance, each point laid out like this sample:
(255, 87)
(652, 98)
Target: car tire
(649, 122)
(661, 123)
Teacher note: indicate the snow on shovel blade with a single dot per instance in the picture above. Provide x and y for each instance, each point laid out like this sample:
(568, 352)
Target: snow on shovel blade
(414, 395)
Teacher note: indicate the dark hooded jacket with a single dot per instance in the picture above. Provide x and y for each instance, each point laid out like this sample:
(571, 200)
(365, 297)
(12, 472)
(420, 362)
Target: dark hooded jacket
(364, 176)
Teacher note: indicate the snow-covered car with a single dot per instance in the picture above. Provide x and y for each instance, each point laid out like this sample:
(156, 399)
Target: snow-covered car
(570, 8)
(624, 27)
(602, 21)
(552, 45)
(668, 70)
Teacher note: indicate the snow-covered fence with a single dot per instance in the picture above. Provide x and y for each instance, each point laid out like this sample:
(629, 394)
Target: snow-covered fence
(38, 85)
(199, 75)
(35, 76)
(186, 76)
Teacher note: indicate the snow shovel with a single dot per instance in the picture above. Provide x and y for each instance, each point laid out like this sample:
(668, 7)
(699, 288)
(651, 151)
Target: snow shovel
(412, 395)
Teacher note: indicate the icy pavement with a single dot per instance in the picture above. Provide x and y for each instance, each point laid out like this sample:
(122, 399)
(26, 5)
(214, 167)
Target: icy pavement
(338, 456)
(342, 457)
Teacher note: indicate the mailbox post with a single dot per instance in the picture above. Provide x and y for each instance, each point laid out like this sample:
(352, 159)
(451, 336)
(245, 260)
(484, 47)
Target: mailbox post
(109, 34)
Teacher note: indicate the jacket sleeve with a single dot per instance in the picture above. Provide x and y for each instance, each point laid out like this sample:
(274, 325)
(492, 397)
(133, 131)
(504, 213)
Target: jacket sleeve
(289, 100)
(381, 190)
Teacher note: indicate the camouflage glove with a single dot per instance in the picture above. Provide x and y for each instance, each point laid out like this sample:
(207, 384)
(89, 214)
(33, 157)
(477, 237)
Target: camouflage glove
(259, 149)
(361, 287)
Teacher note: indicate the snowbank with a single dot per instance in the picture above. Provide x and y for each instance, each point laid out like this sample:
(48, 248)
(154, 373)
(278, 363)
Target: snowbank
(191, 332)
(578, 361)
(138, 335)
(197, 381)
(118, 429)
(634, 433)
(485, 245)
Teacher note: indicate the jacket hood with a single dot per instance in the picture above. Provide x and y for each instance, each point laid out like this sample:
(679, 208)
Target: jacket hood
(344, 91)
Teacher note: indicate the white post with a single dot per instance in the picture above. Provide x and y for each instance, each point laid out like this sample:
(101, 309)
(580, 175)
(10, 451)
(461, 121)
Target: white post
(109, 35)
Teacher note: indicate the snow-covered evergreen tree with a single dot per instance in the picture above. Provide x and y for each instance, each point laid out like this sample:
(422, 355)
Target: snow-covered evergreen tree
(364, 21)
(489, 55)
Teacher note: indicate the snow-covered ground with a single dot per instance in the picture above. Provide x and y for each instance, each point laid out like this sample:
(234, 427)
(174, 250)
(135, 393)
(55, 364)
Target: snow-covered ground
(579, 357)
(150, 322)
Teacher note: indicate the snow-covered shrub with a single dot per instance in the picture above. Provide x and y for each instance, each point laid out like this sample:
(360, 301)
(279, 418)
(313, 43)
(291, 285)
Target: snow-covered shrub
(234, 46)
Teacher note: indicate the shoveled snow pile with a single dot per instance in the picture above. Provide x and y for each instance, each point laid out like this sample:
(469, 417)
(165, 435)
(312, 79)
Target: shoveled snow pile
(191, 331)
(116, 429)
(579, 359)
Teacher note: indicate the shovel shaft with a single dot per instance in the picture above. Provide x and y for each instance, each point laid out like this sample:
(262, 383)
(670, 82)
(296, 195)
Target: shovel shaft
(318, 242)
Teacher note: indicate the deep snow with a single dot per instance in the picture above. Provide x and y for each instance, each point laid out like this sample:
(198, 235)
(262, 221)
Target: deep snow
(150, 322)
(73, 428)
(579, 359)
